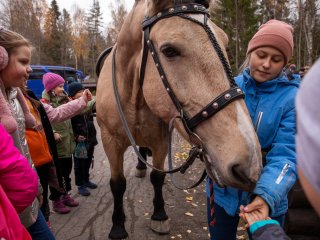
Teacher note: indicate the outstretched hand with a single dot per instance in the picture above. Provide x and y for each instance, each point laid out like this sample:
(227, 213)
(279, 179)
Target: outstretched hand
(87, 96)
(257, 210)
(253, 217)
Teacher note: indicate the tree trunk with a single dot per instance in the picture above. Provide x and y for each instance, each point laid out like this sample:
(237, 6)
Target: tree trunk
(237, 37)
(310, 18)
(300, 33)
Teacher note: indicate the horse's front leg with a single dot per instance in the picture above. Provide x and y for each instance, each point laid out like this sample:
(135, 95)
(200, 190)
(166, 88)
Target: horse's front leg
(118, 187)
(159, 218)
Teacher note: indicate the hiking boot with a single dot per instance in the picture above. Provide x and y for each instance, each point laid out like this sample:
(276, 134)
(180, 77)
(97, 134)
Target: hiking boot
(91, 185)
(69, 201)
(82, 190)
(59, 207)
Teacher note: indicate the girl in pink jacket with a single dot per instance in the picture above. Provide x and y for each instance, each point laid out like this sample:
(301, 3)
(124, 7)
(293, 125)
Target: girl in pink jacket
(19, 183)
(54, 99)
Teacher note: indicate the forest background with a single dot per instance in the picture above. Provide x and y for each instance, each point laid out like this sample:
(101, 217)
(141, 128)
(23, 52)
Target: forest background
(76, 39)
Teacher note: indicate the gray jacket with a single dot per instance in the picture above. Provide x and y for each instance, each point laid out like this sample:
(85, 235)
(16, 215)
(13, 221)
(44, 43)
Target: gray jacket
(30, 214)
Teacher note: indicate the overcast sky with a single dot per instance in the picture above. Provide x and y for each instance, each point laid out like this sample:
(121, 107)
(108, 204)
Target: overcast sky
(86, 4)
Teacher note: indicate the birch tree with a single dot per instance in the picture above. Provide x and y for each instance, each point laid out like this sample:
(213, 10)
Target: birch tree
(118, 14)
(80, 38)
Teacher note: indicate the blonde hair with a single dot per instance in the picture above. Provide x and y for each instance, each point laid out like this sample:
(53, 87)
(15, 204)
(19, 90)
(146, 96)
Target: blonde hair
(11, 40)
(245, 64)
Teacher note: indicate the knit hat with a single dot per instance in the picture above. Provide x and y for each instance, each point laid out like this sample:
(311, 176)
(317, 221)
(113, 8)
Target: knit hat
(70, 80)
(276, 34)
(74, 87)
(51, 80)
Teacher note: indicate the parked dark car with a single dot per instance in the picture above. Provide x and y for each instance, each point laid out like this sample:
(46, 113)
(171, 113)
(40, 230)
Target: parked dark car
(35, 78)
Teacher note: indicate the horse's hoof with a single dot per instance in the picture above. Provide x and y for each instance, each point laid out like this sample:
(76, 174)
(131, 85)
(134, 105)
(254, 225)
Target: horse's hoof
(118, 232)
(141, 173)
(161, 227)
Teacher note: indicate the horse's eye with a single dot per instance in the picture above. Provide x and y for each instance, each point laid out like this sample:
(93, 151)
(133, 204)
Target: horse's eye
(169, 51)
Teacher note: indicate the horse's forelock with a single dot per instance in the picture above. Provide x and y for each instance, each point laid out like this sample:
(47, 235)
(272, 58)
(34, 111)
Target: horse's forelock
(155, 6)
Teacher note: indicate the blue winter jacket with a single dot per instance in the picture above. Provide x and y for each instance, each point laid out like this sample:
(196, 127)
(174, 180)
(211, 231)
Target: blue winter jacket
(276, 133)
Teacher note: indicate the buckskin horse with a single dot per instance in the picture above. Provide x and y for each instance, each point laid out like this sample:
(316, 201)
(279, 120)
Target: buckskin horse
(170, 62)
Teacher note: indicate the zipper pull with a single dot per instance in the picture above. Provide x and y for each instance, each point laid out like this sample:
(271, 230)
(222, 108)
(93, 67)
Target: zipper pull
(257, 124)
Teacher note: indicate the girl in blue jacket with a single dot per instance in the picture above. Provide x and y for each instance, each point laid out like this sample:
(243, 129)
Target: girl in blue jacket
(269, 96)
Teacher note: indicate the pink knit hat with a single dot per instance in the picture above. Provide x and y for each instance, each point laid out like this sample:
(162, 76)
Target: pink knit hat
(276, 34)
(51, 80)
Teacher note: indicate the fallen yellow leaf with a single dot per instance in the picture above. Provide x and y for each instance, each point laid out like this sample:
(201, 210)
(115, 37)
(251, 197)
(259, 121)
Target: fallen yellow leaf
(189, 214)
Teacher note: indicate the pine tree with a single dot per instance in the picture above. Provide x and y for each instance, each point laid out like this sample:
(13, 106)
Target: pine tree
(239, 20)
(94, 24)
(52, 35)
(66, 38)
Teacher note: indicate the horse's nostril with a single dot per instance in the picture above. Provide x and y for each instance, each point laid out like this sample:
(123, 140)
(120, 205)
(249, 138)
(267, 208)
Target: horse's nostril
(239, 173)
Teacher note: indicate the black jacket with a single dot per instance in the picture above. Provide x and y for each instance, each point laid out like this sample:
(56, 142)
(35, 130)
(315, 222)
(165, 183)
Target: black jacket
(49, 136)
(83, 124)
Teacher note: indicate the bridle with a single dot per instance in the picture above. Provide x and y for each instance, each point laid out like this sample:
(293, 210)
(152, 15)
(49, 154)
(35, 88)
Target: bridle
(189, 123)
(218, 103)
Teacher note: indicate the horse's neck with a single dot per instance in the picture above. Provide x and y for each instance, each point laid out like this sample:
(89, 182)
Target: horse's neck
(129, 47)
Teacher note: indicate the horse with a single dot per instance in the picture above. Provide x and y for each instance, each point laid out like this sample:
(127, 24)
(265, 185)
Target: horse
(170, 62)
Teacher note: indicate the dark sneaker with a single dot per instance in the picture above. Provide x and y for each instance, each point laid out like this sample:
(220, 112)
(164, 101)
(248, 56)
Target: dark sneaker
(69, 201)
(82, 190)
(91, 185)
(59, 207)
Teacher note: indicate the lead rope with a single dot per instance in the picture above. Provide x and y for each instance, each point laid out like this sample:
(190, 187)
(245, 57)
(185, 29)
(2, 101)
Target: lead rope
(212, 221)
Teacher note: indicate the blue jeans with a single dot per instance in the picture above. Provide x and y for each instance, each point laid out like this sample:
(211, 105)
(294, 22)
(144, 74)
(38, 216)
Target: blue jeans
(226, 225)
(40, 230)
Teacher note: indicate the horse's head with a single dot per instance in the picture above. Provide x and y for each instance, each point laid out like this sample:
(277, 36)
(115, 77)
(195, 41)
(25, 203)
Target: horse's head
(197, 76)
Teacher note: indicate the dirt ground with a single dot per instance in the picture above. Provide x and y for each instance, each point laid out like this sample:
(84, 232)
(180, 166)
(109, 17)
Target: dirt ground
(92, 219)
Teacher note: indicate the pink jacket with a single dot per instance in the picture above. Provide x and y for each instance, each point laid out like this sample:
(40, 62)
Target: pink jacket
(65, 111)
(10, 225)
(17, 178)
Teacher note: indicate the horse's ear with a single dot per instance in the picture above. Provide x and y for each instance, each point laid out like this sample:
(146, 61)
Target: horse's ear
(205, 3)
(155, 6)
